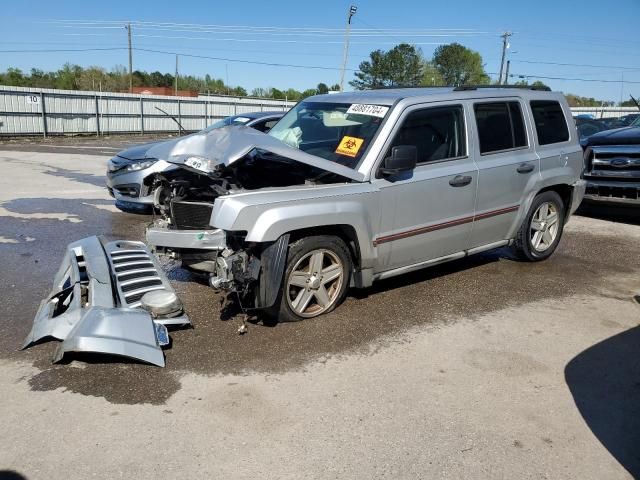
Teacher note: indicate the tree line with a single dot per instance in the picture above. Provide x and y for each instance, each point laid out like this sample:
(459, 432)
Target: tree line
(402, 66)
(75, 77)
(451, 65)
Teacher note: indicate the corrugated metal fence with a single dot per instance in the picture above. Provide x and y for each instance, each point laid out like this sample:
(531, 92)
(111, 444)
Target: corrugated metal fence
(35, 111)
(604, 112)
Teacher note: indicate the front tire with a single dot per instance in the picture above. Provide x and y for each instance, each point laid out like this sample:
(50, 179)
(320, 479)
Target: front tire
(315, 280)
(542, 228)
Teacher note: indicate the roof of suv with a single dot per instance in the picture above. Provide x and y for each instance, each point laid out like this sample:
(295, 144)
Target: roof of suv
(392, 95)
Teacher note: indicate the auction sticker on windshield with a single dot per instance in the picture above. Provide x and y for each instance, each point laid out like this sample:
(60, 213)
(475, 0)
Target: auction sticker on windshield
(349, 146)
(365, 109)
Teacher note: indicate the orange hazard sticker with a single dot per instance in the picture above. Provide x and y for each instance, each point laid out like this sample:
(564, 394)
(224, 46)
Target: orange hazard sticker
(349, 146)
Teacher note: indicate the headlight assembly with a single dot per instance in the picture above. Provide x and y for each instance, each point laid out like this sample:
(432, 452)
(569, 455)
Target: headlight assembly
(140, 165)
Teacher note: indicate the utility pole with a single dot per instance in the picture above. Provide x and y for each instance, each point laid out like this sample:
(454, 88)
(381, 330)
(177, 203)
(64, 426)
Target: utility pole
(352, 11)
(506, 74)
(505, 44)
(226, 68)
(176, 75)
(128, 27)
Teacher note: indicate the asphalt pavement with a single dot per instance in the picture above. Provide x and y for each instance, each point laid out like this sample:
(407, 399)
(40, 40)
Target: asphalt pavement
(482, 368)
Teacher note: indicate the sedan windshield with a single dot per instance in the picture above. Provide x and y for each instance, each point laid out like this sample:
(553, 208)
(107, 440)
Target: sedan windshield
(234, 120)
(338, 132)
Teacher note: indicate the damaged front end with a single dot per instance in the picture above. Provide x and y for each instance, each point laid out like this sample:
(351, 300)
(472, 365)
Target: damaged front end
(109, 297)
(219, 166)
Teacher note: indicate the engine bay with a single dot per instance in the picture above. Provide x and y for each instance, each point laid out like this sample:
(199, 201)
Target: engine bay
(257, 170)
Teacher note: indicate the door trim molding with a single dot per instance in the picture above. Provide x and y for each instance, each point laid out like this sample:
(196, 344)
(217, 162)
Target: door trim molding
(439, 226)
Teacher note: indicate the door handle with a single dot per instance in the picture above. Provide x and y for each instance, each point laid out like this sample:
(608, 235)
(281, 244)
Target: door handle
(525, 168)
(460, 181)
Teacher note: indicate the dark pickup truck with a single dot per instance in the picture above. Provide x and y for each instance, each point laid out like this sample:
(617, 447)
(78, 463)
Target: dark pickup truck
(612, 165)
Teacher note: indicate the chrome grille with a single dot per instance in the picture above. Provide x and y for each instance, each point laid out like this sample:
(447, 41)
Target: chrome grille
(137, 271)
(140, 263)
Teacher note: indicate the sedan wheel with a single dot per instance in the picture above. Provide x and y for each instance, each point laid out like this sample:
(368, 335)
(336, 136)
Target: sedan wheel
(315, 283)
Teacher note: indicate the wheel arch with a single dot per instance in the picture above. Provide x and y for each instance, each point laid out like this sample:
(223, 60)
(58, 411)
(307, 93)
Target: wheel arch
(563, 189)
(343, 231)
(566, 194)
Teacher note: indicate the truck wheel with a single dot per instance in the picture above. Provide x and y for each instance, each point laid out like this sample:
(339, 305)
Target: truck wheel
(542, 228)
(315, 279)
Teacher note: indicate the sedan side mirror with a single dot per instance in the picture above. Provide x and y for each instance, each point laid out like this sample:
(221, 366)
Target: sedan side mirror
(403, 158)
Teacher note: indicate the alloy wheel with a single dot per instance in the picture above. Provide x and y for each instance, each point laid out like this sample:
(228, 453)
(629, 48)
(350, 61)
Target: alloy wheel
(544, 226)
(315, 282)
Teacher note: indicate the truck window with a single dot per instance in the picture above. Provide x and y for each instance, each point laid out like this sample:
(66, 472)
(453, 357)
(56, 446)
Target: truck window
(438, 133)
(500, 126)
(551, 125)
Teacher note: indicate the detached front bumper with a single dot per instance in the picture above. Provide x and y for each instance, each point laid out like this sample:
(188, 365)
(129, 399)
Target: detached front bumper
(102, 301)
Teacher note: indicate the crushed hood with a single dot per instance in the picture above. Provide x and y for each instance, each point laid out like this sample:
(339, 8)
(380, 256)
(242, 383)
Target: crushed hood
(223, 146)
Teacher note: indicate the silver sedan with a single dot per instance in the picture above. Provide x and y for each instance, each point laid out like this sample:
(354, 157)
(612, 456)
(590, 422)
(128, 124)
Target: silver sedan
(130, 173)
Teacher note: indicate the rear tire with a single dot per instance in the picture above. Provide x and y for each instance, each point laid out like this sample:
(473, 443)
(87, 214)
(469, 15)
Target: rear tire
(542, 228)
(315, 279)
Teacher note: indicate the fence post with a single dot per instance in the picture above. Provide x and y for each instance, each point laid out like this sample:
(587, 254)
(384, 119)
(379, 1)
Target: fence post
(97, 116)
(141, 115)
(206, 113)
(43, 111)
(179, 118)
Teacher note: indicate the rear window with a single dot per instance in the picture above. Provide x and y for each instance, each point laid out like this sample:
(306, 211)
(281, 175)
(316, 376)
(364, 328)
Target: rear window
(500, 126)
(551, 125)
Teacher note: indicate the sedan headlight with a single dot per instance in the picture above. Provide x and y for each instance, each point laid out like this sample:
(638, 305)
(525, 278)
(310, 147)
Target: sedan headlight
(140, 165)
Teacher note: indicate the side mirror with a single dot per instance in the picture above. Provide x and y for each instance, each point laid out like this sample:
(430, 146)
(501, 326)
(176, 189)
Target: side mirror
(403, 158)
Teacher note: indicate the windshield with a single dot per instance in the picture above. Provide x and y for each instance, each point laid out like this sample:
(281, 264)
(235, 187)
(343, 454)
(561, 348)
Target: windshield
(636, 122)
(234, 120)
(338, 132)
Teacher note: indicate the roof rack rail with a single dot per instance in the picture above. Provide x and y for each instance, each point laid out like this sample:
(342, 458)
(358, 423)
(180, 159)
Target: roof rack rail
(407, 87)
(524, 87)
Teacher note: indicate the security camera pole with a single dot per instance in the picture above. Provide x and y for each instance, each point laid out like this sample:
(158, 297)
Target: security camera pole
(505, 44)
(352, 11)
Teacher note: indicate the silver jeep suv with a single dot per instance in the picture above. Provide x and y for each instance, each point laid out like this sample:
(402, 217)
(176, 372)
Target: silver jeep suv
(355, 187)
(344, 190)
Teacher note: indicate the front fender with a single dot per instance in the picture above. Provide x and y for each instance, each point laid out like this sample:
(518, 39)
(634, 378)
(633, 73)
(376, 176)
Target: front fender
(266, 223)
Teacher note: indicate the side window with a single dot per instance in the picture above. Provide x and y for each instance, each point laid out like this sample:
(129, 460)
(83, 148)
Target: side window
(438, 133)
(265, 125)
(269, 125)
(550, 122)
(500, 126)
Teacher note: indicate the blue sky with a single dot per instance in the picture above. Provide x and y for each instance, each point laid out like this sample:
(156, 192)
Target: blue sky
(600, 39)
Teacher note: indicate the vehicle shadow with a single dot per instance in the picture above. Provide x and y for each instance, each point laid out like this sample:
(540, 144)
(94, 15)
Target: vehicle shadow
(605, 383)
(616, 213)
(11, 475)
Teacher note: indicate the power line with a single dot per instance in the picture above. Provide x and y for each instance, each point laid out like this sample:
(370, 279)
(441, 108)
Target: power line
(572, 79)
(53, 50)
(236, 28)
(577, 65)
(270, 64)
(252, 40)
